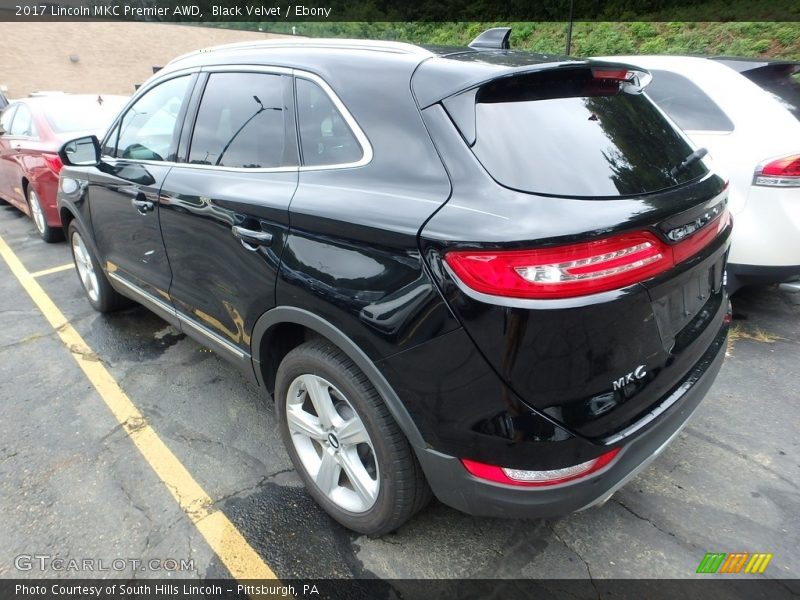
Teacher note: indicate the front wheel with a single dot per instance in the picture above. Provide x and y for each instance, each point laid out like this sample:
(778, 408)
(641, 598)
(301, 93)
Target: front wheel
(350, 453)
(49, 234)
(99, 292)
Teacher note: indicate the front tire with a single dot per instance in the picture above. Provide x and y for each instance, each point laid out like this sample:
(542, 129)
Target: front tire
(99, 292)
(47, 233)
(348, 450)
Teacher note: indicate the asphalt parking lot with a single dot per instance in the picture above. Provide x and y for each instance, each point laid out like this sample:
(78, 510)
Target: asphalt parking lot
(74, 485)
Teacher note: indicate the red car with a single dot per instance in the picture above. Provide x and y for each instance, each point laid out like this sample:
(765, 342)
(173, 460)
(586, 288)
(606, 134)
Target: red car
(31, 132)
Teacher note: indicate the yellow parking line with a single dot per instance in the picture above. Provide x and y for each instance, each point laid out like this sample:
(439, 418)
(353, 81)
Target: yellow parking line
(225, 540)
(57, 269)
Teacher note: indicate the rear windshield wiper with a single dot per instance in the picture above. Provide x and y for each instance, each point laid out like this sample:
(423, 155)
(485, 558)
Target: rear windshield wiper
(688, 161)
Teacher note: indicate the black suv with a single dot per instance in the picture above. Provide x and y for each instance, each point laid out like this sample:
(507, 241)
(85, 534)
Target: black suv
(491, 275)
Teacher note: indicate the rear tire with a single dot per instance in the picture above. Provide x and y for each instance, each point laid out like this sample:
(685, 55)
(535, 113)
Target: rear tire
(99, 292)
(49, 234)
(348, 450)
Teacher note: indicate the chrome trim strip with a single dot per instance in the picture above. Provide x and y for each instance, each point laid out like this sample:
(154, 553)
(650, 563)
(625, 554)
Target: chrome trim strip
(366, 147)
(213, 337)
(246, 69)
(226, 345)
(538, 303)
(140, 292)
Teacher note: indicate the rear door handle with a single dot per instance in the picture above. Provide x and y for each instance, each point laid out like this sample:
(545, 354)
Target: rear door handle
(252, 237)
(143, 206)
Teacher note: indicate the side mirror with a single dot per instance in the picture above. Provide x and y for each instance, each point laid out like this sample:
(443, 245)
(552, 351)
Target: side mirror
(82, 152)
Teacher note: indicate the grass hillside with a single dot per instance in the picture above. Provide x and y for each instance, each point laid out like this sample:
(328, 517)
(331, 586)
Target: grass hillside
(773, 39)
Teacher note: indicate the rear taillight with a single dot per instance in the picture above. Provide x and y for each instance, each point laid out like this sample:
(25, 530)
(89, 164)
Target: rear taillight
(615, 74)
(53, 162)
(538, 478)
(578, 269)
(780, 172)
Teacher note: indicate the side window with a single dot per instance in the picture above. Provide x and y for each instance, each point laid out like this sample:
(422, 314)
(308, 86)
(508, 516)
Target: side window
(147, 130)
(6, 118)
(110, 143)
(23, 122)
(241, 123)
(686, 104)
(325, 137)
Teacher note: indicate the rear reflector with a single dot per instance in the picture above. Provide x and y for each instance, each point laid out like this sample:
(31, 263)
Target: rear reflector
(53, 162)
(538, 478)
(578, 269)
(781, 172)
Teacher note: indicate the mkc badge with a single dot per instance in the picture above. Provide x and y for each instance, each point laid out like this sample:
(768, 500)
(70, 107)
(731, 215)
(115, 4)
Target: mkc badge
(635, 375)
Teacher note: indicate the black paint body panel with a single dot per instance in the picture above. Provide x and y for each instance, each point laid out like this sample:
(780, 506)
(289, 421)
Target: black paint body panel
(357, 256)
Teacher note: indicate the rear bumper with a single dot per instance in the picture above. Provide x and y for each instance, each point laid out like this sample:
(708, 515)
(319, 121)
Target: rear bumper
(767, 232)
(740, 275)
(454, 486)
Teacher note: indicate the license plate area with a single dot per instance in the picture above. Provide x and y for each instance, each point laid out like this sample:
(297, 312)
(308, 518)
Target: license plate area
(676, 304)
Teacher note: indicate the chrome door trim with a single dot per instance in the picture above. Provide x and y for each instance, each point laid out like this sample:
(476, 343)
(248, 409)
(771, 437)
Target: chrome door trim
(159, 306)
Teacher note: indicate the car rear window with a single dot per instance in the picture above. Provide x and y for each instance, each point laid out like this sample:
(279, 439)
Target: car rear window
(67, 115)
(780, 81)
(686, 104)
(568, 133)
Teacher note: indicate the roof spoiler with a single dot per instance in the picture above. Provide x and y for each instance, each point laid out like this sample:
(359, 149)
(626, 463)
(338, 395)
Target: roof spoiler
(492, 39)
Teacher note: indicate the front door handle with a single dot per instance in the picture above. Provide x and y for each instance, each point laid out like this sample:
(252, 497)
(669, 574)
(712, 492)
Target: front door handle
(251, 237)
(143, 206)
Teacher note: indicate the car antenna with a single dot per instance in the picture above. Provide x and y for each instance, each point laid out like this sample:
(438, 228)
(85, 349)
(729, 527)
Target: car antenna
(496, 38)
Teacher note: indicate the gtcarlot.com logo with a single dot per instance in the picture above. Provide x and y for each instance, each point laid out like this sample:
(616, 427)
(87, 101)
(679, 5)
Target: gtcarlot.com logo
(736, 562)
(48, 562)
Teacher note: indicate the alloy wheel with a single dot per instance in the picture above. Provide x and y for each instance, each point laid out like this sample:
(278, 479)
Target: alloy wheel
(332, 443)
(36, 212)
(86, 272)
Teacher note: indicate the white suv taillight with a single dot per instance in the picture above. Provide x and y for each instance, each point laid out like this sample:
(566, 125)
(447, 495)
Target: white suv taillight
(779, 172)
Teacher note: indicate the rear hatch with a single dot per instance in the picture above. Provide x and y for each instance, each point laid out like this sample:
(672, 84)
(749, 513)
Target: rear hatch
(584, 244)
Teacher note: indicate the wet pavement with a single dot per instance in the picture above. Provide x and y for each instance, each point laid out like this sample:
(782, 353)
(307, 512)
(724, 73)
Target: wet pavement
(72, 483)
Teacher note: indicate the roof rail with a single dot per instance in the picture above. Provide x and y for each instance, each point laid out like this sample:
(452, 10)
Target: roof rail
(492, 39)
(303, 42)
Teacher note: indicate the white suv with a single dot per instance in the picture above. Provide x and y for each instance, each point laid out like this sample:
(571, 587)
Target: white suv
(745, 112)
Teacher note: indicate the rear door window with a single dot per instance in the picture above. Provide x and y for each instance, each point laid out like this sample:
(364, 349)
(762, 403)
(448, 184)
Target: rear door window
(566, 133)
(23, 125)
(7, 117)
(686, 104)
(325, 137)
(241, 123)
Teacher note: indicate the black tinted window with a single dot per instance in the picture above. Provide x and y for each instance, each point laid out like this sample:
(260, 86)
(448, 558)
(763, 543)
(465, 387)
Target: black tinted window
(147, 129)
(568, 134)
(325, 137)
(686, 104)
(241, 122)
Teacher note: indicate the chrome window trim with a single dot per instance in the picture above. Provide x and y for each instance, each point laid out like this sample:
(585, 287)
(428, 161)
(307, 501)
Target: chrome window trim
(361, 137)
(366, 148)
(221, 342)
